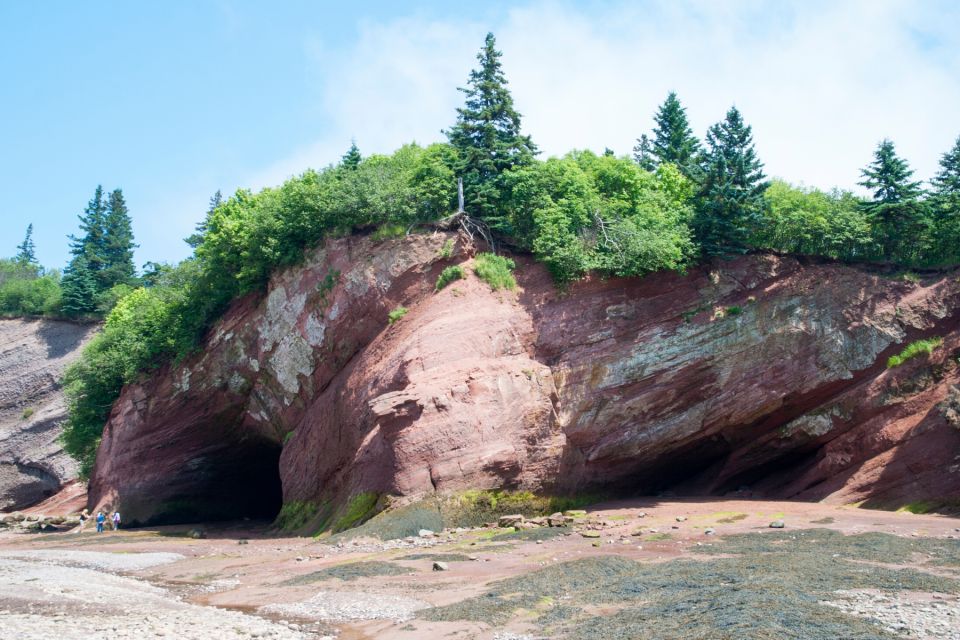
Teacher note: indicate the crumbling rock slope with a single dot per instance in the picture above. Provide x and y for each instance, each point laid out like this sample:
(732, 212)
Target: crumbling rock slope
(763, 374)
(33, 356)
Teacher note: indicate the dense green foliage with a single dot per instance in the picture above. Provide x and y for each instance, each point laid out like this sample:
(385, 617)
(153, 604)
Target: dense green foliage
(25, 289)
(813, 222)
(586, 212)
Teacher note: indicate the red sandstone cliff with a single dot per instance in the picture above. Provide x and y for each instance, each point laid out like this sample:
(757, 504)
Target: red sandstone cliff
(764, 372)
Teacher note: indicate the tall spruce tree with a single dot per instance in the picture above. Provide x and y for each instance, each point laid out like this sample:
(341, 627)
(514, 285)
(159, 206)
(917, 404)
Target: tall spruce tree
(946, 206)
(78, 288)
(901, 219)
(643, 153)
(118, 244)
(730, 199)
(26, 252)
(90, 244)
(947, 180)
(200, 229)
(487, 137)
(351, 159)
(673, 139)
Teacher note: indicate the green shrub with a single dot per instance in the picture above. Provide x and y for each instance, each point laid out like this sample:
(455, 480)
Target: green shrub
(734, 311)
(26, 413)
(396, 314)
(450, 274)
(914, 349)
(495, 271)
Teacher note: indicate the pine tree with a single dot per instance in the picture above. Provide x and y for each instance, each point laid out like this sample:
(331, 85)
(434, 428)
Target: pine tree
(487, 137)
(643, 153)
(26, 254)
(351, 159)
(946, 206)
(90, 245)
(901, 219)
(78, 288)
(947, 180)
(118, 244)
(730, 200)
(200, 229)
(673, 139)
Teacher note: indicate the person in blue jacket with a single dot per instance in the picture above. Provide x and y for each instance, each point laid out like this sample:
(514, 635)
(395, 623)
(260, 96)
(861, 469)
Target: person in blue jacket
(100, 520)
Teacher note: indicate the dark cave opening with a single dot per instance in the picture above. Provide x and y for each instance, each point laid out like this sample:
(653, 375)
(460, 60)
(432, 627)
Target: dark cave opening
(240, 481)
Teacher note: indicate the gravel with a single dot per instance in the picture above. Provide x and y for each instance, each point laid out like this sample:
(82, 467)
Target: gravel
(921, 616)
(40, 600)
(95, 559)
(345, 606)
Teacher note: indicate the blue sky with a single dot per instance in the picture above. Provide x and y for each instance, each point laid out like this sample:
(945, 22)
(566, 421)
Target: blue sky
(174, 102)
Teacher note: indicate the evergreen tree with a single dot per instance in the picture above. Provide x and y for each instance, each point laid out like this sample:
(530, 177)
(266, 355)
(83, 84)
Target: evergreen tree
(79, 288)
(26, 254)
(487, 137)
(118, 244)
(947, 180)
(643, 153)
(730, 200)
(946, 205)
(90, 245)
(351, 159)
(901, 219)
(673, 139)
(200, 229)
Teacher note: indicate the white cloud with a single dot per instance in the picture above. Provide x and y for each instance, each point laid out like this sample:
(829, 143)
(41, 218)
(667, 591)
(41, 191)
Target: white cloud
(821, 83)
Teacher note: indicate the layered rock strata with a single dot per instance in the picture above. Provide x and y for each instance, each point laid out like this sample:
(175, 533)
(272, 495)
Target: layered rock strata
(764, 374)
(33, 356)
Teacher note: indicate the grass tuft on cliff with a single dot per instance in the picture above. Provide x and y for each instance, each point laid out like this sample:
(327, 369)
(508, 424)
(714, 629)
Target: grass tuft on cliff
(495, 270)
(913, 350)
(450, 274)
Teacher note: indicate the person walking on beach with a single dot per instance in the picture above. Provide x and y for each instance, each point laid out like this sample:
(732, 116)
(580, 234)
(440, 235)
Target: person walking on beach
(116, 520)
(100, 520)
(84, 516)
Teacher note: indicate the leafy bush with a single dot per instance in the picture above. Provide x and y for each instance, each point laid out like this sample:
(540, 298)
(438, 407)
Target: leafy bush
(27, 413)
(396, 314)
(495, 270)
(586, 212)
(26, 290)
(914, 349)
(450, 274)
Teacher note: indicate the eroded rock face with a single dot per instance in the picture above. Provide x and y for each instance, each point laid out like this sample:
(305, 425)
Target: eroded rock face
(33, 356)
(761, 371)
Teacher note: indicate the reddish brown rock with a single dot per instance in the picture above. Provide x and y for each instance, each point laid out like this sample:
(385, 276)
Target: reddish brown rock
(764, 371)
